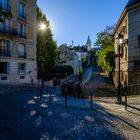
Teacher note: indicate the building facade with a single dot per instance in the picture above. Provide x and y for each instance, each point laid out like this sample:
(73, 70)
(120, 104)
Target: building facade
(18, 42)
(128, 27)
(67, 56)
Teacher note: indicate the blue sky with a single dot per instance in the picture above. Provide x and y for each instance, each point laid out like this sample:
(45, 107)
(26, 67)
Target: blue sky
(76, 19)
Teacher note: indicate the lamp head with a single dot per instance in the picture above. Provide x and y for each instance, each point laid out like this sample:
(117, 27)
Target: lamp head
(120, 39)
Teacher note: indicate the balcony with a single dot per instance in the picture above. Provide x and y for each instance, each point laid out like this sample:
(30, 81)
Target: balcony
(22, 35)
(8, 30)
(5, 53)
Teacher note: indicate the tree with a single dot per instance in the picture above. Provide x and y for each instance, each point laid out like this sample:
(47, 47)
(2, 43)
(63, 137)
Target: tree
(106, 37)
(105, 40)
(106, 59)
(93, 56)
(46, 47)
(62, 71)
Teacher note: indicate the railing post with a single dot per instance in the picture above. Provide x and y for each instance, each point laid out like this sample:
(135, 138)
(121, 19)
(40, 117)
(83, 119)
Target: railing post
(38, 93)
(125, 92)
(91, 94)
(50, 95)
(41, 91)
(66, 94)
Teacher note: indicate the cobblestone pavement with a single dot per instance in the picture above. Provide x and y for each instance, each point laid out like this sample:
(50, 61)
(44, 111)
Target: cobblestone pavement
(24, 117)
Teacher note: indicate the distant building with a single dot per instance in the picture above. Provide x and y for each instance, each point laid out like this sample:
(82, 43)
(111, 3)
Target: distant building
(129, 27)
(18, 42)
(88, 44)
(67, 56)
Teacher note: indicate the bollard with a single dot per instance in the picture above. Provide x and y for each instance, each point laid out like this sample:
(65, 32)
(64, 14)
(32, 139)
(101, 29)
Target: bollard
(91, 99)
(41, 91)
(125, 92)
(38, 93)
(47, 89)
(50, 95)
(66, 94)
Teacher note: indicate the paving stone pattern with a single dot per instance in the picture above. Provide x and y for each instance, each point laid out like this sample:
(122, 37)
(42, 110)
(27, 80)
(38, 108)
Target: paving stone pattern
(25, 117)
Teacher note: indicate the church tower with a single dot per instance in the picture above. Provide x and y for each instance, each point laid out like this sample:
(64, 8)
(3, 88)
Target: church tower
(88, 44)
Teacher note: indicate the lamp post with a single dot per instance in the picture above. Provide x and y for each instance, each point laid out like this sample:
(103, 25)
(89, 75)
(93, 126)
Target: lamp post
(120, 41)
(42, 27)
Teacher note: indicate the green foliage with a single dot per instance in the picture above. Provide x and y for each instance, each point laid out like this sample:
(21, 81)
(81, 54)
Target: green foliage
(106, 59)
(46, 46)
(84, 62)
(106, 37)
(93, 56)
(80, 75)
(105, 40)
(63, 70)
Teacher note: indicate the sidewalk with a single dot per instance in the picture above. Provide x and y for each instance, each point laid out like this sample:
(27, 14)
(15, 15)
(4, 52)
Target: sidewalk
(128, 122)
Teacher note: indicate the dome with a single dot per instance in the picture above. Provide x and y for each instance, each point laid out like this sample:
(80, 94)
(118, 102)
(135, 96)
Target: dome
(132, 2)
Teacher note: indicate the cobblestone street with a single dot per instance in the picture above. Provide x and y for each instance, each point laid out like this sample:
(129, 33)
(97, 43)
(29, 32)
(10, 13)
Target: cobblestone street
(23, 116)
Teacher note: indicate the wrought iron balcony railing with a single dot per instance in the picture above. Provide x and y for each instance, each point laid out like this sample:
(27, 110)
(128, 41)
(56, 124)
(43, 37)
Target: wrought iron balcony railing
(9, 30)
(22, 35)
(5, 53)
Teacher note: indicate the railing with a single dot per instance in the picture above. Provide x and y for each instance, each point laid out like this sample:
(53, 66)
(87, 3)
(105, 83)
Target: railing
(23, 35)
(131, 96)
(10, 30)
(137, 64)
(5, 53)
(133, 89)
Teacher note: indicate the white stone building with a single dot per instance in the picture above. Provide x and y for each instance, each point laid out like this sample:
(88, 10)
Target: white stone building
(67, 56)
(18, 42)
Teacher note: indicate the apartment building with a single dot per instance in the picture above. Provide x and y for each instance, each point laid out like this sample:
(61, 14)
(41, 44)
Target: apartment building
(18, 42)
(128, 27)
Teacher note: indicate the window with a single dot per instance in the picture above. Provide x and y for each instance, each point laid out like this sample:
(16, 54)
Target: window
(3, 67)
(22, 30)
(126, 52)
(22, 77)
(121, 75)
(22, 10)
(22, 68)
(5, 4)
(4, 48)
(4, 78)
(125, 78)
(21, 50)
(5, 26)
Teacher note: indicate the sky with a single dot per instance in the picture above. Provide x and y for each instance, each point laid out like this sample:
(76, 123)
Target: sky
(74, 20)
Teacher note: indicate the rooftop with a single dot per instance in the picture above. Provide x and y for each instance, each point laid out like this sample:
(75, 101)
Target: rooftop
(132, 2)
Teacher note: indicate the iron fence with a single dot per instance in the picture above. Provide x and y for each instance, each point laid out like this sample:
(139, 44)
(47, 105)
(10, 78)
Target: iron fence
(131, 96)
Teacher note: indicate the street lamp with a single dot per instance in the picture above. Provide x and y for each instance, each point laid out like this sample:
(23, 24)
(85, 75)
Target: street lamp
(42, 27)
(119, 53)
